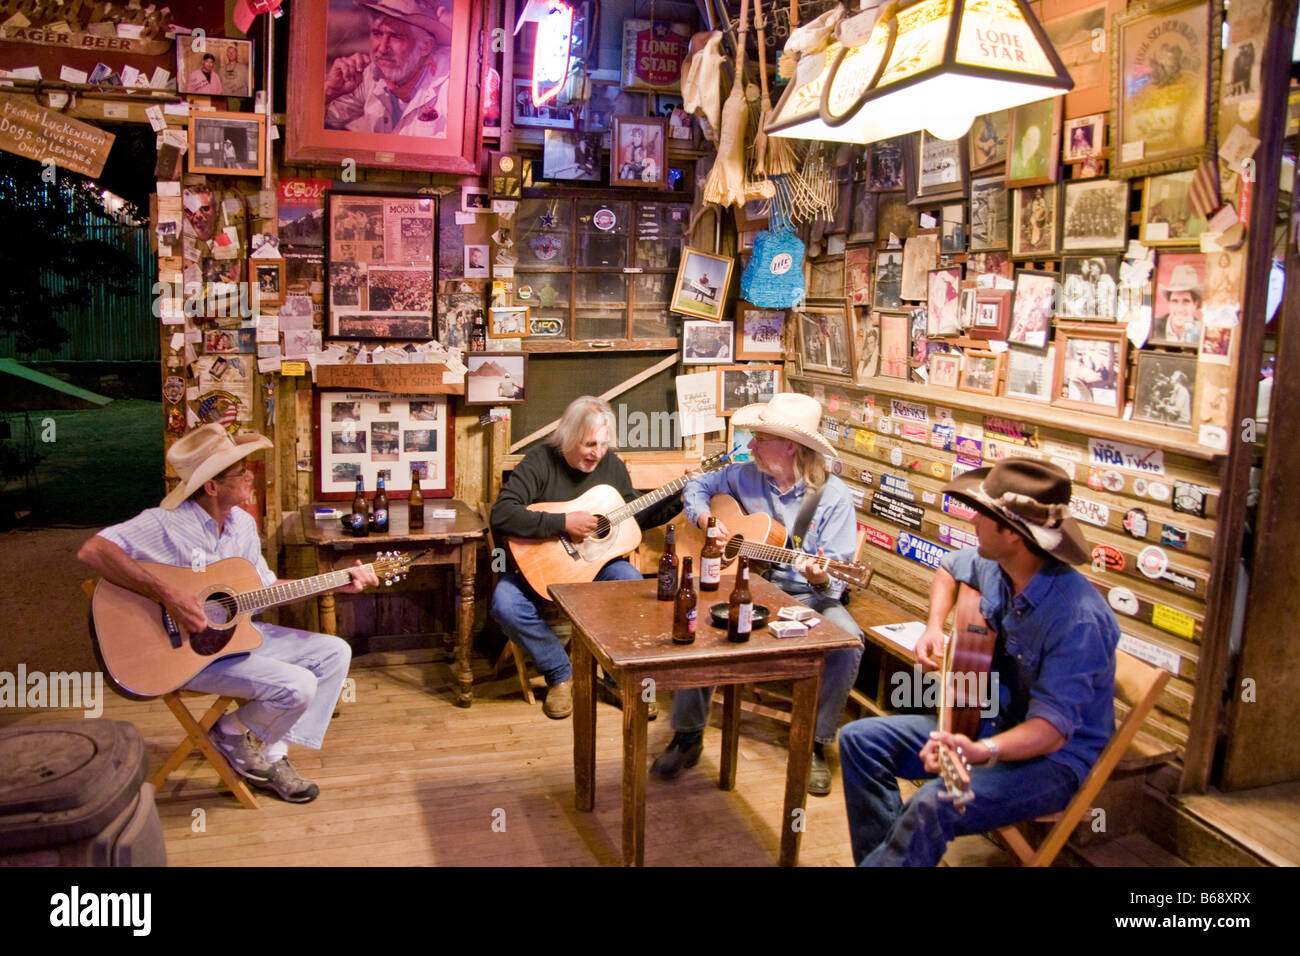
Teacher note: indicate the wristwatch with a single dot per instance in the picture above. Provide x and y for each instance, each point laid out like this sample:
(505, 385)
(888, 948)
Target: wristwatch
(993, 751)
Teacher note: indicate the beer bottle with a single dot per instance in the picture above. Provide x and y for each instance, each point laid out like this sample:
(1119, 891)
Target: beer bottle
(684, 609)
(668, 567)
(379, 514)
(740, 611)
(357, 520)
(415, 505)
(711, 558)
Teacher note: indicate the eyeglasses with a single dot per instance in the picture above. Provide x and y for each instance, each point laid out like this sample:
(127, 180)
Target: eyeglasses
(242, 473)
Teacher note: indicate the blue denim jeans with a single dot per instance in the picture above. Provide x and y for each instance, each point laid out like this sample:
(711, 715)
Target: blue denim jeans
(291, 682)
(885, 832)
(691, 707)
(518, 609)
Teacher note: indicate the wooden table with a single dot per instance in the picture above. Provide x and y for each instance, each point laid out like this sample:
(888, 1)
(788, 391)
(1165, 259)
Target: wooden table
(447, 541)
(621, 625)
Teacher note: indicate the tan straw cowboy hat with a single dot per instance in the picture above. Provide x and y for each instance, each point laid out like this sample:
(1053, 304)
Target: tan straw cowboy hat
(432, 16)
(205, 453)
(1183, 278)
(1033, 498)
(788, 415)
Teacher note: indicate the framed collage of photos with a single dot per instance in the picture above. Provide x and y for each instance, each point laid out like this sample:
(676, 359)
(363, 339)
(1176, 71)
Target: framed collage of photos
(368, 434)
(382, 253)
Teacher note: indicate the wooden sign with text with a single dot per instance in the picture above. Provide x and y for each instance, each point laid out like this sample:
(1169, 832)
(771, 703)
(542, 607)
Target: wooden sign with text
(40, 134)
(423, 379)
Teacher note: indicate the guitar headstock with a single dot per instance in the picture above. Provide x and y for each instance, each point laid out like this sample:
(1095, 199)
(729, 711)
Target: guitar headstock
(714, 462)
(392, 566)
(859, 575)
(955, 772)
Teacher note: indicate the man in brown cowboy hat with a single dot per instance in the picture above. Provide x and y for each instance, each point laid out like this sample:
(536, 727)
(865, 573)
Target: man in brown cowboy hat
(786, 476)
(292, 681)
(1053, 709)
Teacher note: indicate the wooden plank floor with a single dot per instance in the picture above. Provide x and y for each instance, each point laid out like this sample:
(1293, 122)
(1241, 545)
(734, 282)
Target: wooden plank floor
(1265, 820)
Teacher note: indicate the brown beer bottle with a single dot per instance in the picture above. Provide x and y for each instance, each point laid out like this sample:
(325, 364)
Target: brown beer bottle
(668, 567)
(740, 612)
(357, 520)
(684, 609)
(415, 505)
(711, 558)
(379, 512)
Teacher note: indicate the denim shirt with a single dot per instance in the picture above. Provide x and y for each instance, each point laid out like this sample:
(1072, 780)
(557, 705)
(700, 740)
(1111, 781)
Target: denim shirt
(1055, 657)
(833, 527)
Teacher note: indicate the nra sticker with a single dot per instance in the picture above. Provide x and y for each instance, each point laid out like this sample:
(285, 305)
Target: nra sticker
(1135, 523)
(1123, 601)
(1153, 562)
(1158, 490)
(1112, 480)
(604, 219)
(1189, 498)
(1173, 537)
(1106, 558)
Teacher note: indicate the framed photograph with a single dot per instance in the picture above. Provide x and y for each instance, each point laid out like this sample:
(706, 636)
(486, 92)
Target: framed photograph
(1090, 366)
(1216, 344)
(555, 113)
(367, 434)
(268, 280)
(866, 345)
(981, 371)
(1176, 308)
(920, 255)
(701, 286)
(945, 369)
(705, 342)
(1033, 308)
(1096, 215)
(1029, 374)
(857, 274)
(230, 144)
(936, 168)
(1034, 143)
(1080, 32)
(885, 166)
(889, 280)
(474, 199)
(507, 322)
(741, 385)
(477, 261)
(759, 333)
(219, 67)
(1164, 383)
(895, 348)
(952, 236)
(738, 438)
(862, 219)
(988, 140)
(570, 155)
(338, 112)
(990, 214)
(894, 217)
(1084, 138)
(496, 378)
(458, 313)
(607, 101)
(990, 263)
(1035, 222)
(824, 340)
(1090, 290)
(992, 314)
(943, 302)
(638, 154)
(1165, 67)
(1167, 217)
(381, 282)
(826, 278)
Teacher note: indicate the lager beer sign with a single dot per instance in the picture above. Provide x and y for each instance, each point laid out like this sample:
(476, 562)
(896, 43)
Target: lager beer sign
(653, 52)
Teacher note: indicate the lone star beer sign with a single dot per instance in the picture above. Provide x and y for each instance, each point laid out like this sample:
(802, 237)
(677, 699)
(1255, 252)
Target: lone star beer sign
(652, 55)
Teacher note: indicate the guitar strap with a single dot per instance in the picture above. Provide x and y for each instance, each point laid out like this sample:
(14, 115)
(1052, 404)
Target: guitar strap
(804, 518)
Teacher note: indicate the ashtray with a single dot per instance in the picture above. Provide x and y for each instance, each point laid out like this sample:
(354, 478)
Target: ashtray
(719, 613)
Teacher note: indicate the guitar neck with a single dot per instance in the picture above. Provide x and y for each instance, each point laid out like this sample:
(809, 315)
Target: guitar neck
(774, 555)
(286, 592)
(649, 499)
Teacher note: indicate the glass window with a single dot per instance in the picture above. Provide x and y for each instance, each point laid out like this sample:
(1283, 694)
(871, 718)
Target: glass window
(602, 325)
(602, 289)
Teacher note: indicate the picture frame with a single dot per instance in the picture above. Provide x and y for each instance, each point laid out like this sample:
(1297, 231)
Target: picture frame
(885, 166)
(741, 385)
(895, 345)
(987, 140)
(1164, 384)
(889, 280)
(701, 285)
(1091, 362)
(1165, 68)
(1029, 374)
(556, 113)
(894, 217)
(475, 199)
(229, 76)
(920, 255)
(759, 333)
(478, 261)
(862, 218)
(227, 144)
(992, 318)
(1083, 137)
(440, 131)
(866, 345)
(638, 152)
(507, 322)
(857, 275)
(381, 281)
(496, 378)
(937, 169)
(607, 101)
(945, 369)
(706, 342)
(1176, 317)
(1095, 216)
(1090, 288)
(826, 278)
(1033, 308)
(824, 339)
(943, 302)
(458, 313)
(1034, 143)
(738, 439)
(981, 371)
(267, 276)
(1080, 32)
(952, 226)
(1167, 218)
(1035, 222)
(572, 156)
(990, 214)
(359, 432)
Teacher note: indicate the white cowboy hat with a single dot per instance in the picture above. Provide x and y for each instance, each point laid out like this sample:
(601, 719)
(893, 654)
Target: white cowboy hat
(429, 15)
(205, 453)
(788, 415)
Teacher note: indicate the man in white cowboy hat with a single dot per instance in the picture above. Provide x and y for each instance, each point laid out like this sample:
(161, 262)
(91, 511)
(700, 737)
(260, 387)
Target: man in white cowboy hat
(786, 477)
(1181, 322)
(291, 682)
(1055, 661)
(401, 86)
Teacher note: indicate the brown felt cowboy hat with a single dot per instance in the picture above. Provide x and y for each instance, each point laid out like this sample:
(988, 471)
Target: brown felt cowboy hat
(432, 16)
(205, 453)
(788, 415)
(1033, 498)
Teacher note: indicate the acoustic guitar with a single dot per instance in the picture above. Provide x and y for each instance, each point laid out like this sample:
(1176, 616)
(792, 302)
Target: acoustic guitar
(547, 561)
(966, 663)
(146, 653)
(761, 537)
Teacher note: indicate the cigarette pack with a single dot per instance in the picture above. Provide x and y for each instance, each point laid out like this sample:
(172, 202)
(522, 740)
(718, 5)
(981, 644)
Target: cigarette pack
(788, 628)
(795, 612)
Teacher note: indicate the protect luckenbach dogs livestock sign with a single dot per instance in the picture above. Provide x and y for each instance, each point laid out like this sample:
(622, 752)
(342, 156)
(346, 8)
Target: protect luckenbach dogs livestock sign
(40, 134)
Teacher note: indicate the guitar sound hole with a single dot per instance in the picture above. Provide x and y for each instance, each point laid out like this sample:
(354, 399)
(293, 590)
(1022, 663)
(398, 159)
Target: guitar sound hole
(602, 528)
(220, 609)
(732, 547)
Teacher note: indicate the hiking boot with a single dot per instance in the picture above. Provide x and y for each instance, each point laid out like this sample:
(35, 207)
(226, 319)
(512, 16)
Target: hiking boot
(285, 783)
(559, 700)
(819, 777)
(682, 753)
(242, 752)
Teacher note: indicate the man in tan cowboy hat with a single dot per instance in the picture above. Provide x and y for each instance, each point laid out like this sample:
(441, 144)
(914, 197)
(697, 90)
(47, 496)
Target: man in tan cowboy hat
(1052, 709)
(401, 86)
(1181, 323)
(292, 681)
(786, 479)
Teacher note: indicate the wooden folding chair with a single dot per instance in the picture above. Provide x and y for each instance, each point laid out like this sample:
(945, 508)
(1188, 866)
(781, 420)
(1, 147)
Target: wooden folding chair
(1137, 685)
(512, 651)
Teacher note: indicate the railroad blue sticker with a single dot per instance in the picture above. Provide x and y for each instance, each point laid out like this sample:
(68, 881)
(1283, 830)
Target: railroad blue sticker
(919, 550)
